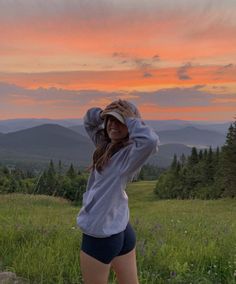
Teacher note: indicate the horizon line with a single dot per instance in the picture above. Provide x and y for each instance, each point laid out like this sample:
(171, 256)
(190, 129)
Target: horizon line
(76, 118)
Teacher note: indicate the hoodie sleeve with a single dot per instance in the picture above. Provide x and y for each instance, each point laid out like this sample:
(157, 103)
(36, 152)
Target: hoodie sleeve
(93, 125)
(144, 143)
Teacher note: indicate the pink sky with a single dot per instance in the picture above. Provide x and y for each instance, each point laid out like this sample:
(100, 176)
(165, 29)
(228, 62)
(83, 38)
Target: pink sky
(173, 59)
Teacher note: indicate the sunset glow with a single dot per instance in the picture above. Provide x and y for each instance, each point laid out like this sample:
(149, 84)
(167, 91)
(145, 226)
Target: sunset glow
(173, 59)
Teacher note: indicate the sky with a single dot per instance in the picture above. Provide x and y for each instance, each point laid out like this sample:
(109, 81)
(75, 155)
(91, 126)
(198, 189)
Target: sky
(174, 59)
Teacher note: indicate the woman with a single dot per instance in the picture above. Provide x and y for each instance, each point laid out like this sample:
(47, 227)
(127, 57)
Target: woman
(123, 143)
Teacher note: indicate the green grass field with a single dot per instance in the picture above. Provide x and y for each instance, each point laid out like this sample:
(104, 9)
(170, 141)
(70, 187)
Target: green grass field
(178, 241)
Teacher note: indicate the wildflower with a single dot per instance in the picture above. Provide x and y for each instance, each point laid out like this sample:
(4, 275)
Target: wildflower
(154, 252)
(156, 227)
(142, 247)
(136, 221)
(173, 273)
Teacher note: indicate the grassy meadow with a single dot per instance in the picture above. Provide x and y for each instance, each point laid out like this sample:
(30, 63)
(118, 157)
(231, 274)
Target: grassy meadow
(178, 241)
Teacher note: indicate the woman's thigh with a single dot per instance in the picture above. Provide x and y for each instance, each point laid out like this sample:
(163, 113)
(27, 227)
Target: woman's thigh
(125, 268)
(93, 271)
(124, 264)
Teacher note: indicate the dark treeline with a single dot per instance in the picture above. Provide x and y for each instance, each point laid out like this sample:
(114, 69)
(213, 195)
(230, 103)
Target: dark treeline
(150, 172)
(69, 184)
(56, 180)
(204, 174)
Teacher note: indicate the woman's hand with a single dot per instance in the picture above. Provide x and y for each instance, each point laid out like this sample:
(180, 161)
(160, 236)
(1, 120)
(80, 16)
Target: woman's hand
(120, 106)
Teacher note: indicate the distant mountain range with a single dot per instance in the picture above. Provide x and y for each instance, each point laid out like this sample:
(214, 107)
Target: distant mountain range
(192, 136)
(189, 136)
(50, 141)
(161, 125)
(70, 143)
(12, 125)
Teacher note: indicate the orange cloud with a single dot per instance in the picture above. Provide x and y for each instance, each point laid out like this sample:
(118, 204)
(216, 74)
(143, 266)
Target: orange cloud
(210, 113)
(191, 103)
(123, 80)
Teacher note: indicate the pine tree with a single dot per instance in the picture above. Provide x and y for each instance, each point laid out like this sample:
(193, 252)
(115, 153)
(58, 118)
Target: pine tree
(205, 154)
(217, 154)
(210, 170)
(193, 159)
(6, 171)
(183, 160)
(71, 172)
(174, 163)
(51, 179)
(14, 186)
(59, 168)
(178, 168)
(200, 155)
(51, 169)
(229, 162)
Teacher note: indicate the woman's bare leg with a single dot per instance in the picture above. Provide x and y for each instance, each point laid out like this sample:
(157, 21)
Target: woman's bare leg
(93, 271)
(125, 268)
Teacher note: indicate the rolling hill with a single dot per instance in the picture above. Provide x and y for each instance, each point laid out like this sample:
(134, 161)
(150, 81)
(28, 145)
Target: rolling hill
(192, 136)
(79, 129)
(164, 157)
(47, 141)
(12, 125)
(161, 125)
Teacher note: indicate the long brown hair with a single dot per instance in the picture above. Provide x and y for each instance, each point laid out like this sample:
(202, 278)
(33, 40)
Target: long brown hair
(106, 150)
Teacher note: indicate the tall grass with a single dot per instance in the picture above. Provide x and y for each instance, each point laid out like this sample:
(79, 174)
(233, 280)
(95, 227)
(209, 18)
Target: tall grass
(178, 241)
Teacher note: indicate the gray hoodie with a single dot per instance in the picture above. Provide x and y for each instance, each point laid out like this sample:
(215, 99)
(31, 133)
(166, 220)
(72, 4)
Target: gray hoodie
(105, 208)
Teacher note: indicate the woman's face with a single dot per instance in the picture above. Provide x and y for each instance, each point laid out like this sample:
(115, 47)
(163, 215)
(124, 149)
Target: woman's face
(115, 129)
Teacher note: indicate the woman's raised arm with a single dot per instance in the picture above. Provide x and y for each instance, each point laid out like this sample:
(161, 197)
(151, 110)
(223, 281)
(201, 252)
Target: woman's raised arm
(93, 124)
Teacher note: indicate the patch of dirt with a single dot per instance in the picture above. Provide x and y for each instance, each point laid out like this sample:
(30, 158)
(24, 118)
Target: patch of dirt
(7, 277)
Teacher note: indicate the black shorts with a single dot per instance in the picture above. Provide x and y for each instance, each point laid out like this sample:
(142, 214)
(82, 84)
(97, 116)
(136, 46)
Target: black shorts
(105, 249)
